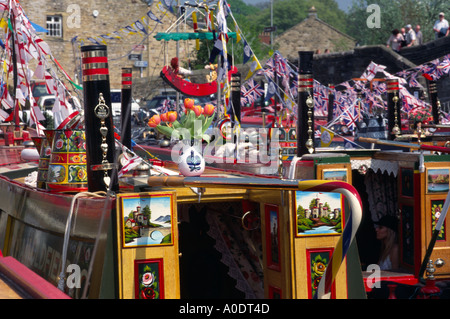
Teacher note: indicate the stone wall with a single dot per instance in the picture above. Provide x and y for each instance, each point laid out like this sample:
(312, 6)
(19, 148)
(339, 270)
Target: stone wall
(112, 15)
(312, 34)
(428, 51)
(342, 66)
(338, 67)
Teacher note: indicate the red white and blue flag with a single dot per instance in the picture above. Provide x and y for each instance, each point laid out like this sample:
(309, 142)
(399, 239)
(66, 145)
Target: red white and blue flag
(350, 116)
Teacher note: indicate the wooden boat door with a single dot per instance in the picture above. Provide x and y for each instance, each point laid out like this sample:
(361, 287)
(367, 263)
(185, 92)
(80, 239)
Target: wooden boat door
(147, 246)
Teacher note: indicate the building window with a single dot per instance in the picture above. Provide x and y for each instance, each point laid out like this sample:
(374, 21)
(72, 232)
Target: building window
(54, 26)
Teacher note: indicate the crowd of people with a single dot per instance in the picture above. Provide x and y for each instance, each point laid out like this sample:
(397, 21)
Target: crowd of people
(407, 36)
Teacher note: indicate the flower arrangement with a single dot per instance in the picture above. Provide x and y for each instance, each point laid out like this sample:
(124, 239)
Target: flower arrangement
(192, 125)
(420, 114)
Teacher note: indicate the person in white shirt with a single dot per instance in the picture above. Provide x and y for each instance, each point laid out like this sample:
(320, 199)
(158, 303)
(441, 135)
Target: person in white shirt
(395, 40)
(410, 36)
(441, 27)
(419, 35)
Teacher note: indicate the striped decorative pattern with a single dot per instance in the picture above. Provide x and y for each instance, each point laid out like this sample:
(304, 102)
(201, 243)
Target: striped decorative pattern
(305, 83)
(95, 65)
(127, 78)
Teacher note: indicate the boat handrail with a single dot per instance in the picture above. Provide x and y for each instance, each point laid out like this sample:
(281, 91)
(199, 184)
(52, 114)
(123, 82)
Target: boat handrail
(346, 189)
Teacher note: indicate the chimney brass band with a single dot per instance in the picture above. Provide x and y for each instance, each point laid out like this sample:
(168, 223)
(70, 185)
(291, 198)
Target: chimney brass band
(104, 166)
(127, 77)
(235, 83)
(94, 66)
(432, 87)
(305, 82)
(392, 86)
(93, 54)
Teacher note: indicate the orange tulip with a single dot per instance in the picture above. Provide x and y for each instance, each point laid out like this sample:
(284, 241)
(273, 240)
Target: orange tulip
(154, 121)
(172, 116)
(208, 110)
(164, 117)
(188, 103)
(197, 110)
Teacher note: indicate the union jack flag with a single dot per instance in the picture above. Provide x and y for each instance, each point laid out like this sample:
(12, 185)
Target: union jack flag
(379, 87)
(294, 85)
(404, 73)
(349, 88)
(350, 116)
(282, 69)
(320, 99)
(269, 68)
(413, 81)
(252, 92)
(245, 96)
(167, 106)
(429, 70)
(445, 118)
(445, 64)
(410, 101)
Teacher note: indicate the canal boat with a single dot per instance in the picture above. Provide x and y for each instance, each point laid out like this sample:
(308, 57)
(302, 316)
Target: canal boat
(108, 223)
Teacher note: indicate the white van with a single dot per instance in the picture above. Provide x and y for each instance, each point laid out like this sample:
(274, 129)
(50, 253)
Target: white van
(116, 105)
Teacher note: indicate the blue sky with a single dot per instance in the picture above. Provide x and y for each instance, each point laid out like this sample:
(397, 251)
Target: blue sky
(160, 206)
(343, 4)
(305, 198)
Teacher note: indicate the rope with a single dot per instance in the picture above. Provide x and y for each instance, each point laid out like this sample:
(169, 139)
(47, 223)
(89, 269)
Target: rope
(61, 281)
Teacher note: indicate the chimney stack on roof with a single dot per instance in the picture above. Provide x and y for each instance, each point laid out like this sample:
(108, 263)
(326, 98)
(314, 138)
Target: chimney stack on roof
(312, 13)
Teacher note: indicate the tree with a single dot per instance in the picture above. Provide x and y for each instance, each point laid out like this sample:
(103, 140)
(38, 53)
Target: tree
(300, 212)
(147, 212)
(286, 13)
(394, 14)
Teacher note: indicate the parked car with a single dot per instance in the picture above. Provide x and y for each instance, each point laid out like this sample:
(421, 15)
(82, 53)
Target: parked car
(38, 89)
(152, 105)
(116, 103)
(46, 102)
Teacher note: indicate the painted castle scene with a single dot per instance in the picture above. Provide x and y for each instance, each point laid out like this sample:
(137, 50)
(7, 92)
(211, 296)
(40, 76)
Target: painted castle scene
(318, 213)
(147, 221)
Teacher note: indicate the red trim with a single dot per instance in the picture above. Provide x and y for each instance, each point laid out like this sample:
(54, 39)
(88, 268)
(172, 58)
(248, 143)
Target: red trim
(29, 281)
(189, 88)
(67, 120)
(405, 280)
(65, 188)
(95, 71)
(127, 75)
(127, 83)
(98, 59)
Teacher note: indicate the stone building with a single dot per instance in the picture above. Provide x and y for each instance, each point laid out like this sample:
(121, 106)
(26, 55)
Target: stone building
(312, 34)
(71, 22)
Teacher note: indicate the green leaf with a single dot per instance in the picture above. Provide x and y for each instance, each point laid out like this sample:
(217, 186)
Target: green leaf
(207, 123)
(167, 131)
(176, 124)
(189, 122)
